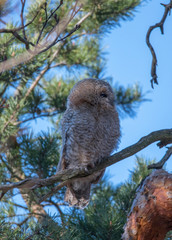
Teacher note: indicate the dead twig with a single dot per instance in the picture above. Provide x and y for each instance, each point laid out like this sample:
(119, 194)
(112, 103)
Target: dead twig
(6, 30)
(167, 10)
(161, 163)
(22, 21)
(48, 18)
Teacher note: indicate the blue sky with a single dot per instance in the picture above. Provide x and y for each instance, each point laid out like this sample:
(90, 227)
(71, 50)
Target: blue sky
(129, 62)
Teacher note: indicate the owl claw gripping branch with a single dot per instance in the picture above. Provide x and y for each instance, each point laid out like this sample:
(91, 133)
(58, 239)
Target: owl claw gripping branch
(90, 132)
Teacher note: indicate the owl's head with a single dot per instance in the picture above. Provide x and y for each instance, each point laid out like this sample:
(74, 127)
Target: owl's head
(91, 92)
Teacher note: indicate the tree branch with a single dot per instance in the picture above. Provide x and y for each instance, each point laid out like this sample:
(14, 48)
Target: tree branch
(161, 163)
(48, 18)
(33, 85)
(22, 21)
(160, 25)
(68, 174)
(50, 40)
(5, 30)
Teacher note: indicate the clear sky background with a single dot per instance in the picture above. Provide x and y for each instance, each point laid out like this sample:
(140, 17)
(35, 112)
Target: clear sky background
(129, 62)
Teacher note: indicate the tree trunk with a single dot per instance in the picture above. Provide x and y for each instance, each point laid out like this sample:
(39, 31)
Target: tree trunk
(150, 217)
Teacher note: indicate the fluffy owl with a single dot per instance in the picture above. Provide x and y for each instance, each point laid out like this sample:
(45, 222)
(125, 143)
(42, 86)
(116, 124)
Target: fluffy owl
(90, 132)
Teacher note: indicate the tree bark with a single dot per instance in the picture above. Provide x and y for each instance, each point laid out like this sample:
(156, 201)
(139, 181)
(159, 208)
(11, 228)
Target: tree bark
(150, 217)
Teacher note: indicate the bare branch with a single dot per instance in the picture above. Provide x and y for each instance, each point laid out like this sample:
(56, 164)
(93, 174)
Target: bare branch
(161, 163)
(38, 116)
(23, 222)
(24, 40)
(160, 25)
(22, 21)
(2, 21)
(48, 18)
(53, 191)
(5, 30)
(60, 64)
(68, 174)
(58, 209)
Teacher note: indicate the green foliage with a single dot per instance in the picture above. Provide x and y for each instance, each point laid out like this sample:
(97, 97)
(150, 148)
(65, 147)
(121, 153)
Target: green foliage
(169, 235)
(105, 216)
(8, 233)
(57, 92)
(26, 154)
(103, 219)
(40, 154)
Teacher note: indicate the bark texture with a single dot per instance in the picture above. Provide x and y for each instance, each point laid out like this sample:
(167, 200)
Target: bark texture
(150, 217)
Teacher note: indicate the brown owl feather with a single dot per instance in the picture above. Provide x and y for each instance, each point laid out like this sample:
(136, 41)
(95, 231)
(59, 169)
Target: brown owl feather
(90, 132)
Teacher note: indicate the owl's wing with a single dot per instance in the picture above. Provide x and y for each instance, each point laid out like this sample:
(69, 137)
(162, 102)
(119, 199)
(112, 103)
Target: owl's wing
(66, 125)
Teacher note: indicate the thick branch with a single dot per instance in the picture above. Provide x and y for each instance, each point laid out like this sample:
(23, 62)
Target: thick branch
(32, 183)
(160, 25)
(151, 212)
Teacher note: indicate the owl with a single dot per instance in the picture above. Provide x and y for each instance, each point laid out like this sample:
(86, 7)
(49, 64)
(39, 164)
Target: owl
(90, 132)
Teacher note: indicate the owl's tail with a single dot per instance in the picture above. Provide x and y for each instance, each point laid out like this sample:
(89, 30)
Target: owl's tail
(78, 194)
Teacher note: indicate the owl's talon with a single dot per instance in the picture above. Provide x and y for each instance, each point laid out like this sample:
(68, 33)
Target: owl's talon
(83, 169)
(91, 165)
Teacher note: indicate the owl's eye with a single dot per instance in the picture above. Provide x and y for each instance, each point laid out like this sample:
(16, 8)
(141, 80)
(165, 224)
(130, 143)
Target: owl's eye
(103, 95)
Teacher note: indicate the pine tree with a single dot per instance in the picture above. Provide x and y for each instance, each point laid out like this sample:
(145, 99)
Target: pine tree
(38, 89)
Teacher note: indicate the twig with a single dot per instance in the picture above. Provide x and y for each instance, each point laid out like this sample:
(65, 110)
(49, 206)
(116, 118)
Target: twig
(53, 191)
(161, 163)
(5, 30)
(46, 43)
(15, 34)
(58, 209)
(56, 29)
(68, 174)
(22, 22)
(38, 116)
(60, 64)
(61, 39)
(48, 18)
(160, 25)
(2, 21)
(24, 221)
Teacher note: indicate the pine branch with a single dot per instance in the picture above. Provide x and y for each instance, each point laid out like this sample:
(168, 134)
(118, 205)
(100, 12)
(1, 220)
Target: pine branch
(46, 43)
(48, 18)
(68, 174)
(33, 85)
